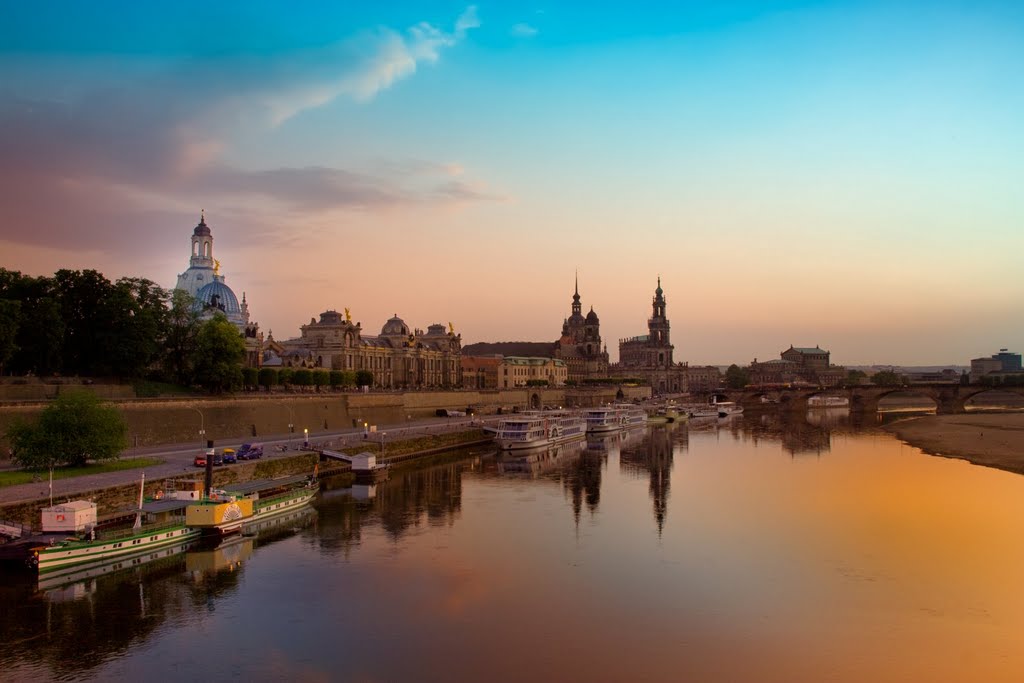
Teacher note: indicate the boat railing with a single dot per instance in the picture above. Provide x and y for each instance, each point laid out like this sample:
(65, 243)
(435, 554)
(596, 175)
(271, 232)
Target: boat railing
(281, 496)
(145, 529)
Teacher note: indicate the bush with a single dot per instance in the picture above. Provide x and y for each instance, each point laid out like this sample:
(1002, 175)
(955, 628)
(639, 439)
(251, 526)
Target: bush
(321, 378)
(336, 378)
(267, 378)
(302, 377)
(250, 377)
(284, 376)
(364, 378)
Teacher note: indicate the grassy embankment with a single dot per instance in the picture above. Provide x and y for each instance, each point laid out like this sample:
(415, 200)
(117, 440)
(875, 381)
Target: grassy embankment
(15, 477)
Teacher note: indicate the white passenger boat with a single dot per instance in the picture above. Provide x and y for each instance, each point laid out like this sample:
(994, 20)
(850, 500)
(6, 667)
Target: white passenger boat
(609, 419)
(535, 429)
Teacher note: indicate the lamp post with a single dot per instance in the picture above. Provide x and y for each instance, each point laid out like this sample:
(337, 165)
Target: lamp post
(305, 434)
(202, 428)
(382, 435)
(291, 422)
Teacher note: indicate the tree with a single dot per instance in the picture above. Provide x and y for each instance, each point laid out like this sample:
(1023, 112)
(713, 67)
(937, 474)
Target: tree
(267, 378)
(180, 338)
(886, 378)
(965, 379)
(135, 320)
(364, 378)
(74, 428)
(218, 355)
(10, 319)
(736, 377)
(337, 378)
(321, 378)
(250, 377)
(302, 377)
(284, 376)
(82, 295)
(854, 377)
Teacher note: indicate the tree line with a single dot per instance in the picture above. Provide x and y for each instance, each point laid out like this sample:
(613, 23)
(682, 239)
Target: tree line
(79, 323)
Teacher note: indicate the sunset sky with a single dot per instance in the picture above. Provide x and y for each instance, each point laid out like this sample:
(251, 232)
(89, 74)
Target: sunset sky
(847, 174)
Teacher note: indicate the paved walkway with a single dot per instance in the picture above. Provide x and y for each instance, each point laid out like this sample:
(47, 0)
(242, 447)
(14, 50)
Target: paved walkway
(178, 458)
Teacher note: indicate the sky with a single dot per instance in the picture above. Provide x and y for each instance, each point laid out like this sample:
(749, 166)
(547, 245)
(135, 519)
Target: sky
(842, 174)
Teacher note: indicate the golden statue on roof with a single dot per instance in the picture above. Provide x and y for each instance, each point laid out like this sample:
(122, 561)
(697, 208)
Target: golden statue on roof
(348, 316)
(451, 328)
(216, 267)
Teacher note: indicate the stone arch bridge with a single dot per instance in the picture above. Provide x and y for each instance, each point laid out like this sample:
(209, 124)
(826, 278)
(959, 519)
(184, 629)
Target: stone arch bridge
(948, 398)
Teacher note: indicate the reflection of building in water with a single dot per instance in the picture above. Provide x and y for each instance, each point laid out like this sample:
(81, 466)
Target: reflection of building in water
(654, 458)
(796, 435)
(541, 461)
(407, 499)
(582, 480)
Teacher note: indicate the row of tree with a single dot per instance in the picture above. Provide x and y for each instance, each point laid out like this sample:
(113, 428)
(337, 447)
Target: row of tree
(80, 323)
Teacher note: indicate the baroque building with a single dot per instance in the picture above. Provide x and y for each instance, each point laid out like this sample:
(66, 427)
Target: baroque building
(649, 356)
(580, 344)
(798, 365)
(211, 295)
(399, 357)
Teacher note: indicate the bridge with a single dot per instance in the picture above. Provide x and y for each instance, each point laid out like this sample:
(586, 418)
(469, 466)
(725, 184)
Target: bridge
(949, 398)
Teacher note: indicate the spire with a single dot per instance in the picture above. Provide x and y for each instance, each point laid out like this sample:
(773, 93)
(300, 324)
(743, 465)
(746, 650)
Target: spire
(576, 292)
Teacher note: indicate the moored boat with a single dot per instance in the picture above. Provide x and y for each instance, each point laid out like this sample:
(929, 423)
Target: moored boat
(536, 430)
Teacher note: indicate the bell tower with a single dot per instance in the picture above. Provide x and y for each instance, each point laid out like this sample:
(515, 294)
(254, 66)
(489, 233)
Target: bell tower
(202, 244)
(658, 328)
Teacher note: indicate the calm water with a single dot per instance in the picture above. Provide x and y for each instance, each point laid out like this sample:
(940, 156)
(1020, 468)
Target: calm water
(761, 550)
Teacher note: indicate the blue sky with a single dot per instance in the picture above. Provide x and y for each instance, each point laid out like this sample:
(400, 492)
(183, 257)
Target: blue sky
(840, 173)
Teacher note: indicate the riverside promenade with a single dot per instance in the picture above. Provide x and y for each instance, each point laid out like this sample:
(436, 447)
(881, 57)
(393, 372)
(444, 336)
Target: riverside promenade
(178, 458)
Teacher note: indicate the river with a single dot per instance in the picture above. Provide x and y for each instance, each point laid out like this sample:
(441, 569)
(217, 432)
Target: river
(760, 549)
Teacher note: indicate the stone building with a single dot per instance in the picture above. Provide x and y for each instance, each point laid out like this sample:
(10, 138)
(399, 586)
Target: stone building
(399, 357)
(649, 356)
(211, 295)
(481, 372)
(580, 344)
(798, 365)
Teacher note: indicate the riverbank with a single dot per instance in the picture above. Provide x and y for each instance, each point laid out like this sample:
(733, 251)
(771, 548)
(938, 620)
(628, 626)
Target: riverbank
(989, 439)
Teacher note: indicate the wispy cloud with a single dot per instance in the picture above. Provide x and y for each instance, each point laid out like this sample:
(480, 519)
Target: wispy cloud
(523, 30)
(141, 148)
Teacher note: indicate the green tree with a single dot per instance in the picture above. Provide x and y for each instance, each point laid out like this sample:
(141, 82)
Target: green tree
(218, 355)
(348, 378)
(135, 318)
(337, 378)
(180, 338)
(737, 377)
(267, 378)
(854, 377)
(321, 378)
(10, 320)
(887, 378)
(82, 295)
(74, 428)
(38, 345)
(284, 376)
(250, 377)
(302, 377)
(364, 378)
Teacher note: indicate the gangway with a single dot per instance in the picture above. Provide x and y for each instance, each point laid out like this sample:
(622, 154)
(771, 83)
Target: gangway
(363, 464)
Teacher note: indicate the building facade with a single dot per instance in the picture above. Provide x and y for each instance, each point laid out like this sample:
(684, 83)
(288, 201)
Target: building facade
(398, 358)
(798, 365)
(580, 346)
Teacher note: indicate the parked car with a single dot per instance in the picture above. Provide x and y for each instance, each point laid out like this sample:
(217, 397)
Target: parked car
(218, 459)
(229, 456)
(200, 460)
(250, 451)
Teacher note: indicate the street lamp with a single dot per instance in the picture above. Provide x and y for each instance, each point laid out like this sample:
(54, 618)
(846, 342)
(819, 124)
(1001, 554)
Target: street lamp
(305, 433)
(382, 435)
(291, 422)
(202, 427)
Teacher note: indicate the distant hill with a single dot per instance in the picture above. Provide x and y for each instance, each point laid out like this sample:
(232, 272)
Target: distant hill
(520, 348)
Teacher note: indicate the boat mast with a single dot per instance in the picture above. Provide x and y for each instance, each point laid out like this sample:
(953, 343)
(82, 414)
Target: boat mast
(138, 515)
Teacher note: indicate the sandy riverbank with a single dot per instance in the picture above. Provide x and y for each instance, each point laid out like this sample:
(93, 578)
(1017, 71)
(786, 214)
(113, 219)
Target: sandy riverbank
(990, 439)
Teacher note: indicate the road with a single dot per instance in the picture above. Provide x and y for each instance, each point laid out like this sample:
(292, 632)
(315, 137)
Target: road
(178, 458)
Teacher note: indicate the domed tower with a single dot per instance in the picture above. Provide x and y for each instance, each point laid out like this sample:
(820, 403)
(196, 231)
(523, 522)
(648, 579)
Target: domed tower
(201, 263)
(592, 327)
(395, 327)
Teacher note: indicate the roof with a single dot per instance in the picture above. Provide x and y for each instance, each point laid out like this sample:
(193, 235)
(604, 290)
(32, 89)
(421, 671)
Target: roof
(164, 505)
(225, 298)
(523, 360)
(806, 349)
(73, 505)
(247, 487)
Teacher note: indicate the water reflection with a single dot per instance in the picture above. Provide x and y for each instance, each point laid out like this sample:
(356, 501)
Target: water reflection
(683, 552)
(653, 458)
(70, 625)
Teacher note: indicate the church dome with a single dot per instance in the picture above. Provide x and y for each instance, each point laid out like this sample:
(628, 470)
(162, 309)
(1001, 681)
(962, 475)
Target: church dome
(395, 326)
(592, 317)
(218, 295)
(201, 228)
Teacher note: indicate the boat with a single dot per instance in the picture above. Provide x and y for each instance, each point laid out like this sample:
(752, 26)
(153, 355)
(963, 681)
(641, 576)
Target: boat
(172, 519)
(539, 429)
(728, 409)
(611, 418)
(698, 412)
